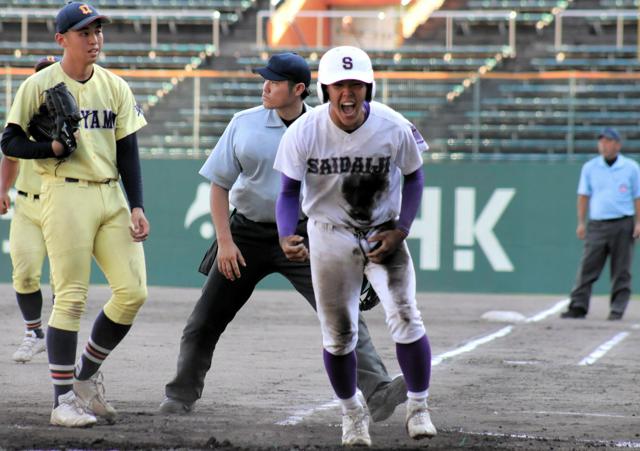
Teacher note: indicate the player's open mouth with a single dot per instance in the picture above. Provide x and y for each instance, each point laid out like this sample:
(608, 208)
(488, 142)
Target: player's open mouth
(348, 108)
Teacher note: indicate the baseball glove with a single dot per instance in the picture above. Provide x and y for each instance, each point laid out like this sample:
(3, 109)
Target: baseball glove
(368, 297)
(58, 118)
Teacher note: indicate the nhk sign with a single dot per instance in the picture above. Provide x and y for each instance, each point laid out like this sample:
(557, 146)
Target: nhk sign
(495, 226)
(472, 225)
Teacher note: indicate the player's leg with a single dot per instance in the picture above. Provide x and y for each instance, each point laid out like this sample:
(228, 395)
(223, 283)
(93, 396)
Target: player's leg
(220, 301)
(336, 266)
(68, 226)
(123, 264)
(381, 392)
(27, 252)
(621, 244)
(395, 283)
(594, 257)
(372, 374)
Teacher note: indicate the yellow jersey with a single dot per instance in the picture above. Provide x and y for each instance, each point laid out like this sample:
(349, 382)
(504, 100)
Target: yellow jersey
(28, 180)
(109, 113)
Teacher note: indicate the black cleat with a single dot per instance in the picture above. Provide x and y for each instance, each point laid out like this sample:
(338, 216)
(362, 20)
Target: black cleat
(384, 401)
(172, 406)
(573, 312)
(615, 316)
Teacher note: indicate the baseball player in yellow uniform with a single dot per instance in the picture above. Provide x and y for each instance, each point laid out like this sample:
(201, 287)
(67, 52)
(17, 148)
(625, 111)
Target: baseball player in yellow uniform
(84, 211)
(26, 243)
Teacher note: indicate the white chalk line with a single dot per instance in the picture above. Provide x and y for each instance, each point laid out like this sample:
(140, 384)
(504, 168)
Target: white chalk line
(601, 350)
(299, 415)
(550, 311)
(470, 346)
(577, 414)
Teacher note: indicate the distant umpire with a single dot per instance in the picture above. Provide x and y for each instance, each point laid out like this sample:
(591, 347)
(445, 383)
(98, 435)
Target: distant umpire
(610, 188)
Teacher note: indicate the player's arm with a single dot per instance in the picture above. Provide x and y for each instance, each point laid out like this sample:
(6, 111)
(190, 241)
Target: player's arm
(287, 212)
(128, 162)
(411, 199)
(15, 143)
(581, 208)
(8, 174)
(229, 256)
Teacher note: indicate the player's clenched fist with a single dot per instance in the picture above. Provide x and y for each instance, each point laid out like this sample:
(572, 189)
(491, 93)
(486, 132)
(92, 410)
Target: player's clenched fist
(384, 244)
(294, 248)
(5, 203)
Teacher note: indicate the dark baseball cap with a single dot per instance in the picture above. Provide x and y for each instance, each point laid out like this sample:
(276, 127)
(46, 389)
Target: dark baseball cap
(44, 62)
(610, 133)
(77, 15)
(286, 66)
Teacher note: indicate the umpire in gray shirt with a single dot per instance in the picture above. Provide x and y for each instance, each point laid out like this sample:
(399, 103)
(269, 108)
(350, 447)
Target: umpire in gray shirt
(241, 172)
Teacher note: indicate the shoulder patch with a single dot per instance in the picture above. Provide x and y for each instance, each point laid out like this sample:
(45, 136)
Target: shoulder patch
(416, 135)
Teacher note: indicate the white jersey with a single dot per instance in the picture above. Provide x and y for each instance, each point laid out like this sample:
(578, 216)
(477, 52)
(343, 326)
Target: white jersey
(382, 109)
(351, 179)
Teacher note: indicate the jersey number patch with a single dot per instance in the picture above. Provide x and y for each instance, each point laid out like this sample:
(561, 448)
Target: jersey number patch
(347, 63)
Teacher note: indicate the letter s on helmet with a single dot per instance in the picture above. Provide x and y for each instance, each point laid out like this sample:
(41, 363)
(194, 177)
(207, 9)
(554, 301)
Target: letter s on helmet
(345, 63)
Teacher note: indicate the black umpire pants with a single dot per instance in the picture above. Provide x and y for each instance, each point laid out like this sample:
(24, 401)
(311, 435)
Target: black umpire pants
(610, 238)
(221, 299)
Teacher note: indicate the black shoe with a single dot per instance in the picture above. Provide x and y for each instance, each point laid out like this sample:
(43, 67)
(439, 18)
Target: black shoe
(615, 316)
(172, 406)
(573, 312)
(384, 401)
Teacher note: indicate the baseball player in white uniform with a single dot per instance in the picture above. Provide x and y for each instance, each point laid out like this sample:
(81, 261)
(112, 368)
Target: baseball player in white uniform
(351, 156)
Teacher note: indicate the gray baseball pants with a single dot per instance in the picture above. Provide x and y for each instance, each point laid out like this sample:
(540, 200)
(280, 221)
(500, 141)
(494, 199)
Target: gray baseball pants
(609, 238)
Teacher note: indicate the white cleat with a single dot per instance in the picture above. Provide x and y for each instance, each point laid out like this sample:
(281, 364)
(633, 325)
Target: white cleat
(91, 393)
(363, 401)
(355, 427)
(30, 346)
(419, 423)
(71, 412)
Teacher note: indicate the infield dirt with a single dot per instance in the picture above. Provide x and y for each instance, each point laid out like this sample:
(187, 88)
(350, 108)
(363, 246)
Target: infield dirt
(521, 386)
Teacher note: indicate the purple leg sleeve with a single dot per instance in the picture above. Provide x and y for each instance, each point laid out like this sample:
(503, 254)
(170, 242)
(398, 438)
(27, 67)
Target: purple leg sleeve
(415, 362)
(341, 370)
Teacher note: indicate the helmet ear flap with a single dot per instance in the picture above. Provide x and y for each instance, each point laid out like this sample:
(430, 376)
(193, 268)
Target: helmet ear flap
(371, 91)
(321, 90)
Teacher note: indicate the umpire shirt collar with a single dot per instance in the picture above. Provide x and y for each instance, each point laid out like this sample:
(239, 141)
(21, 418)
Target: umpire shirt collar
(620, 161)
(273, 120)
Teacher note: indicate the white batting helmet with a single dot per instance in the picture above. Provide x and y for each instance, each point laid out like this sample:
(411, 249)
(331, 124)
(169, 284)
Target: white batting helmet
(344, 63)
